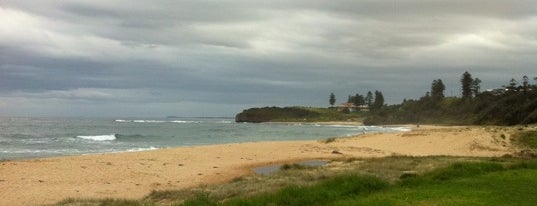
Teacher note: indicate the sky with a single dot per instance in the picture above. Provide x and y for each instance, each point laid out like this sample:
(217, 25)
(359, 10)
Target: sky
(155, 58)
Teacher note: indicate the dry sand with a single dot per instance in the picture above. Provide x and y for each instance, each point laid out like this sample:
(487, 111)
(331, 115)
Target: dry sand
(134, 175)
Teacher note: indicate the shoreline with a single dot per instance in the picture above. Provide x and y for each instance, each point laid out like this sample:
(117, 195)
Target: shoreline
(397, 128)
(133, 175)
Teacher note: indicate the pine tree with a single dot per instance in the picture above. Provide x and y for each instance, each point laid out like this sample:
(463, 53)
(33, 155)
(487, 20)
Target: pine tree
(369, 99)
(332, 99)
(437, 90)
(466, 83)
(379, 100)
(359, 100)
(525, 83)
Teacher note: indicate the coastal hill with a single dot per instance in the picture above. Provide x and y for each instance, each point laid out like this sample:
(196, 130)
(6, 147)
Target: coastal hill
(512, 104)
(295, 114)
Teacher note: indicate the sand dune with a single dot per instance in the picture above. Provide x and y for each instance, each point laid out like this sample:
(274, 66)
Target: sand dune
(134, 175)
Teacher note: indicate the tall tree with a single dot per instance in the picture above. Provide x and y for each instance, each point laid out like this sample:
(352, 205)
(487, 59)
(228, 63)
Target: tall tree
(475, 87)
(369, 99)
(466, 85)
(332, 99)
(525, 83)
(512, 85)
(379, 100)
(359, 100)
(437, 90)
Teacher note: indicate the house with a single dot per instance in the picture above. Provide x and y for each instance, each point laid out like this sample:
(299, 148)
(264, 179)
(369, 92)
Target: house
(351, 107)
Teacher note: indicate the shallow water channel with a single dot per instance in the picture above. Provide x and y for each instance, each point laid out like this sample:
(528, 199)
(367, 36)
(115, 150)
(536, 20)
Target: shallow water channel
(268, 170)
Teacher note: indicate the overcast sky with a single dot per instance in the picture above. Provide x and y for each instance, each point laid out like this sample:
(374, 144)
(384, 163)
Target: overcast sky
(215, 58)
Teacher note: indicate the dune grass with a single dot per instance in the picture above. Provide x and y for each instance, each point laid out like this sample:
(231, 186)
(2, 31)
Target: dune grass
(465, 183)
(527, 139)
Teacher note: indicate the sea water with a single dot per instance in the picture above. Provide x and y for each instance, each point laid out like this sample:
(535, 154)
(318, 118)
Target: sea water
(23, 138)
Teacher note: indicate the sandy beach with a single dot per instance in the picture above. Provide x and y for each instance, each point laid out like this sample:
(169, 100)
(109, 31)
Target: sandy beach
(136, 174)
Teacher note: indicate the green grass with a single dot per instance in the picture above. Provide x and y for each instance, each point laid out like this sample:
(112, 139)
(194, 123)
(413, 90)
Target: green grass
(321, 194)
(461, 184)
(466, 183)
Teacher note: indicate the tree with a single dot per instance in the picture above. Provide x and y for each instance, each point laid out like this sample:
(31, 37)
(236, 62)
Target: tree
(525, 83)
(512, 85)
(332, 99)
(359, 100)
(466, 85)
(437, 90)
(369, 99)
(379, 100)
(475, 87)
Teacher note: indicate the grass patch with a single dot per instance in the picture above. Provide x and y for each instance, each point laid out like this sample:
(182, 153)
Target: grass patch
(462, 184)
(320, 194)
(294, 166)
(527, 139)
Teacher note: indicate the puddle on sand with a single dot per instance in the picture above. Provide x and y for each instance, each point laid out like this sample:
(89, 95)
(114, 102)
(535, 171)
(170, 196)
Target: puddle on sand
(267, 170)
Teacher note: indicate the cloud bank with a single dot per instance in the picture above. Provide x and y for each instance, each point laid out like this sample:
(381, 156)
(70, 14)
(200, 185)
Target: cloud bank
(215, 58)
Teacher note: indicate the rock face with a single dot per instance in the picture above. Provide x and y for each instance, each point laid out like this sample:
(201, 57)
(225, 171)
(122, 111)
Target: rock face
(267, 114)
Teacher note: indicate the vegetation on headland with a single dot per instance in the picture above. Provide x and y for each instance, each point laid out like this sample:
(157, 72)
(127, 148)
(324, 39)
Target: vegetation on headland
(295, 114)
(512, 104)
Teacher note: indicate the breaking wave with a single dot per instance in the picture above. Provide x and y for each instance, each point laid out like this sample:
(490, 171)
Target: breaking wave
(154, 121)
(110, 137)
(401, 129)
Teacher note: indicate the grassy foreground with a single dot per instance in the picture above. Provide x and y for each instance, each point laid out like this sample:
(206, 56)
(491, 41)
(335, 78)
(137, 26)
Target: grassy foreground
(465, 183)
(386, 181)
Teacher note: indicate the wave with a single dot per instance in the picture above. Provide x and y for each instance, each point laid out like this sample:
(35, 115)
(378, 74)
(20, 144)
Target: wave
(153, 121)
(148, 121)
(110, 137)
(142, 149)
(140, 121)
(345, 126)
(182, 121)
(401, 129)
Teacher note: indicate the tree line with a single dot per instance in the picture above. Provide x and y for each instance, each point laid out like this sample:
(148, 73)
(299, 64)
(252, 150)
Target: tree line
(375, 102)
(513, 103)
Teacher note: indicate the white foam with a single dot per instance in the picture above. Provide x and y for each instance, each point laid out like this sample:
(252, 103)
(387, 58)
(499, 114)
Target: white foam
(401, 129)
(142, 149)
(344, 126)
(182, 121)
(110, 137)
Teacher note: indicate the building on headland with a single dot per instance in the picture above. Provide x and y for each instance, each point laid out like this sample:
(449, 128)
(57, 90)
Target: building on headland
(350, 107)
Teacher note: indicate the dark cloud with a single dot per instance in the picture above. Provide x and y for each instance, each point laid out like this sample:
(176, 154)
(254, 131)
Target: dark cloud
(155, 58)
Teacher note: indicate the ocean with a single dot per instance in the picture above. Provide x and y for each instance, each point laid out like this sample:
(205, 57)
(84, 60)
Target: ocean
(25, 138)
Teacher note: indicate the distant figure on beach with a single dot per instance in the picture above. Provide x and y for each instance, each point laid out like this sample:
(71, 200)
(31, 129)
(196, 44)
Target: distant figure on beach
(363, 130)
